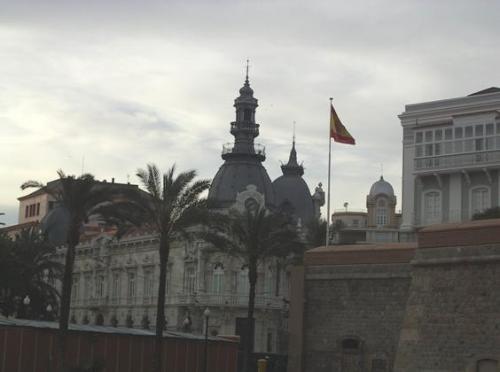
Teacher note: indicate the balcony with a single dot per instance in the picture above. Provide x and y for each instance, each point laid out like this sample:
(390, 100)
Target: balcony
(245, 126)
(457, 161)
(222, 299)
(258, 149)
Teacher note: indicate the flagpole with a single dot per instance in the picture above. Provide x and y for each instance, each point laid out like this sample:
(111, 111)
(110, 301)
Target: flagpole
(329, 173)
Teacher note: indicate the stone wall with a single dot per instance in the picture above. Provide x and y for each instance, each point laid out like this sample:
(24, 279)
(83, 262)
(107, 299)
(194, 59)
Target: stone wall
(452, 321)
(353, 316)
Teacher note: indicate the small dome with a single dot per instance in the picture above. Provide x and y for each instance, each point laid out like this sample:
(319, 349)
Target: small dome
(245, 90)
(381, 187)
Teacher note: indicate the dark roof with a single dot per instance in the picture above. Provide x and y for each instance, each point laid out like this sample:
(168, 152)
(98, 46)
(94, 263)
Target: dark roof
(486, 91)
(53, 185)
(234, 176)
(293, 195)
(103, 329)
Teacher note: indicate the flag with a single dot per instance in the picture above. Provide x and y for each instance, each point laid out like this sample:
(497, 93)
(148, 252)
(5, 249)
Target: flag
(337, 130)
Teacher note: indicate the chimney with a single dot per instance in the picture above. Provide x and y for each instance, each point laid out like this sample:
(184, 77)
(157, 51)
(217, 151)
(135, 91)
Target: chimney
(113, 180)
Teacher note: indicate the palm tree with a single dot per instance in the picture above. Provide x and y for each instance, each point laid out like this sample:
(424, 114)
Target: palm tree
(254, 236)
(35, 271)
(172, 207)
(77, 199)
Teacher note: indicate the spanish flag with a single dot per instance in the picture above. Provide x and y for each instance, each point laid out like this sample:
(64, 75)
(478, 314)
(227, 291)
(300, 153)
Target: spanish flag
(337, 130)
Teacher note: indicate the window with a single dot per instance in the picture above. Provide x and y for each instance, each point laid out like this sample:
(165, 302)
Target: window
(379, 365)
(419, 137)
(428, 136)
(468, 131)
(131, 285)
(448, 134)
(419, 151)
(479, 200)
(115, 289)
(438, 134)
(269, 341)
(458, 132)
(432, 207)
(75, 295)
(479, 130)
(189, 279)
(26, 212)
(355, 223)
(99, 287)
(87, 289)
(381, 213)
(428, 150)
(489, 129)
(487, 365)
(148, 283)
(247, 115)
(218, 278)
(37, 209)
(243, 286)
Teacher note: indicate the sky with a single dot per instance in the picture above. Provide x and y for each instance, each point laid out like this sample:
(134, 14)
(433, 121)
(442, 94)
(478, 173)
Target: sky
(108, 87)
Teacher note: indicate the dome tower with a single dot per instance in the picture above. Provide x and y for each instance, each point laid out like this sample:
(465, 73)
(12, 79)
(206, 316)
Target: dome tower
(242, 171)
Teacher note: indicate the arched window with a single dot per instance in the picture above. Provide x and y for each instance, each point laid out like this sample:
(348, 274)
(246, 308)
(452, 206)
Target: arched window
(243, 285)
(432, 207)
(218, 278)
(487, 365)
(479, 199)
(381, 213)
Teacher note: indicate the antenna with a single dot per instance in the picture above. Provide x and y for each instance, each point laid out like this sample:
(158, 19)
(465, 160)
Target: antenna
(294, 131)
(248, 67)
(382, 169)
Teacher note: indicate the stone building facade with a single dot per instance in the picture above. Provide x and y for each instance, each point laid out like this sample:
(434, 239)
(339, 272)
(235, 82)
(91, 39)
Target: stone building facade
(451, 158)
(115, 282)
(405, 307)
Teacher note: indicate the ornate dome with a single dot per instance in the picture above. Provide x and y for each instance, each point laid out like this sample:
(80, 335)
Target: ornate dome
(292, 193)
(381, 187)
(243, 159)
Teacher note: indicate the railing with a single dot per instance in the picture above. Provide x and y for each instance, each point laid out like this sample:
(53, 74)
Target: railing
(228, 148)
(474, 159)
(232, 300)
(202, 299)
(247, 126)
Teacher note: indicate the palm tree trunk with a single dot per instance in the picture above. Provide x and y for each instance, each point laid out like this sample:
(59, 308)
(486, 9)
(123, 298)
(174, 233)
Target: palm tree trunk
(252, 278)
(160, 306)
(66, 295)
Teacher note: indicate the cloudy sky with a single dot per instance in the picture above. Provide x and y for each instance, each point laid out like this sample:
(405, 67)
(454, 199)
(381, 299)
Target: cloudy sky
(112, 85)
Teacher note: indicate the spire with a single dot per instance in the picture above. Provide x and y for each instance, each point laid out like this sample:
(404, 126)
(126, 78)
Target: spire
(246, 77)
(292, 167)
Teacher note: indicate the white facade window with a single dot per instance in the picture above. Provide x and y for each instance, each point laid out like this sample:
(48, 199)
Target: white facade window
(432, 207)
(75, 293)
(218, 279)
(148, 283)
(87, 287)
(131, 285)
(189, 280)
(115, 289)
(243, 285)
(99, 287)
(479, 199)
(381, 213)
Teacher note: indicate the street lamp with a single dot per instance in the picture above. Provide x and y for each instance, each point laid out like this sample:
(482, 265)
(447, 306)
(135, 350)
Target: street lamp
(26, 303)
(206, 314)
(49, 311)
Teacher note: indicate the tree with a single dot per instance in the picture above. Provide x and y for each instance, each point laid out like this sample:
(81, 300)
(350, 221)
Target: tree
(77, 199)
(487, 214)
(316, 233)
(172, 206)
(254, 235)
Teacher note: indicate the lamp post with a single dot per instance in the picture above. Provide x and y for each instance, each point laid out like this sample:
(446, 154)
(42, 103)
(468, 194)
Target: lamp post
(26, 303)
(206, 314)
(49, 311)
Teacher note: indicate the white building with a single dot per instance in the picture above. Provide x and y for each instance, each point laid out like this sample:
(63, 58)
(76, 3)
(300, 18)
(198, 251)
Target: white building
(451, 158)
